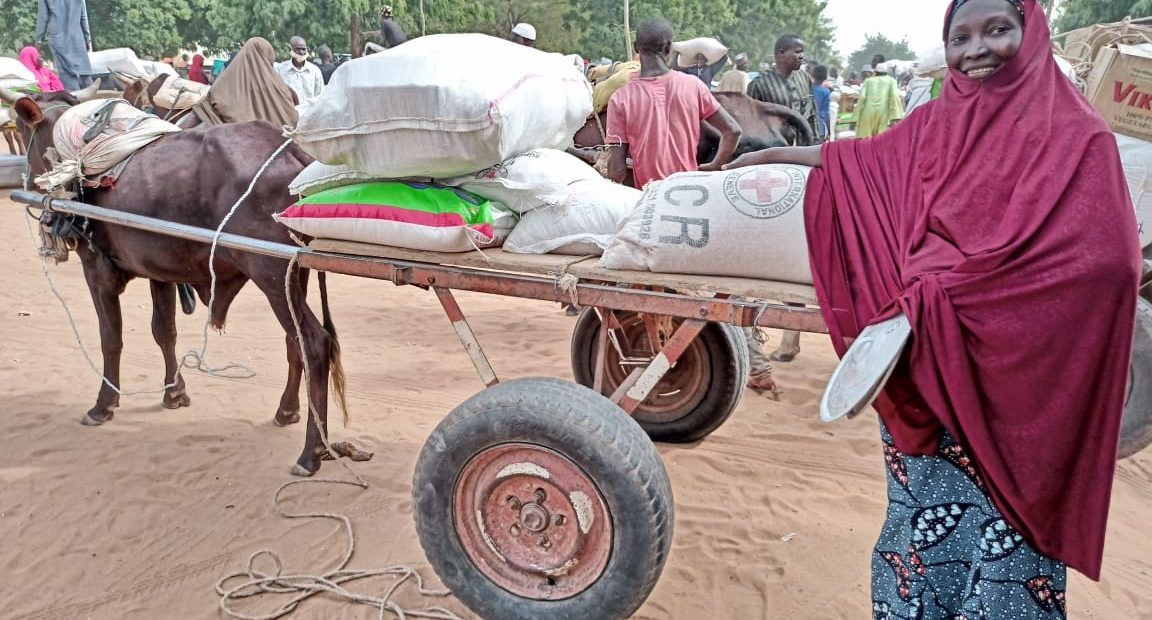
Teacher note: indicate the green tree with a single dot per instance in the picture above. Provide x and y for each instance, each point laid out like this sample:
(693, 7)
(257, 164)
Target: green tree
(758, 23)
(1073, 14)
(879, 44)
(18, 26)
(232, 22)
(601, 21)
(148, 27)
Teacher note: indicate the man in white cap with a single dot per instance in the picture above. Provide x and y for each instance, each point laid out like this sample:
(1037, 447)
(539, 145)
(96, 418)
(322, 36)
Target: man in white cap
(524, 34)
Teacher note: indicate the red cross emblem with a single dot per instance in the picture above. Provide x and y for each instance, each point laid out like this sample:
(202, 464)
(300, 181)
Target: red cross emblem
(764, 182)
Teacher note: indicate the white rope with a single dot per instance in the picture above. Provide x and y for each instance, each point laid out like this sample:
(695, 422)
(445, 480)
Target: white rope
(193, 359)
(303, 587)
(256, 583)
(197, 359)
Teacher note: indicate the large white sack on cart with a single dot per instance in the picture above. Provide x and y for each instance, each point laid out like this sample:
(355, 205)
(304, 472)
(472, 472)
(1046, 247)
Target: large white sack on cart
(13, 69)
(124, 61)
(583, 225)
(1136, 156)
(443, 106)
(747, 223)
(538, 178)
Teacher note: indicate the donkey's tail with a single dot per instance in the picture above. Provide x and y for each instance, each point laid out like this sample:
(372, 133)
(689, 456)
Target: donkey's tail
(339, 383)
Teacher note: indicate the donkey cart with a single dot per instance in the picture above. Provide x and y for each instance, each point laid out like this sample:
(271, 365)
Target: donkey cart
(537, 498)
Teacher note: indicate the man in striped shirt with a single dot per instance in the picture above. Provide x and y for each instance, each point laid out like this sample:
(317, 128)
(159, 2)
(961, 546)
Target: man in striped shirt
(786, 84)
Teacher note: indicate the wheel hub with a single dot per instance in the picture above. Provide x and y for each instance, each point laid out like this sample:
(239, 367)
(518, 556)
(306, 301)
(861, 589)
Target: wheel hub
(532, 521)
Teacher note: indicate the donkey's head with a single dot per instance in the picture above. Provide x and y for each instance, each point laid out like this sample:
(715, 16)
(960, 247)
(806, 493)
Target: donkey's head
(36, 116)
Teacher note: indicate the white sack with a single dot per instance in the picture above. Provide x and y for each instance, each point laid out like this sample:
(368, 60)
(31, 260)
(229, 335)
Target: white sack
(747, 222)
(444, 105)
(538, 178)
(13, 69)
(712, 49)
(318, 176)
(1136, 156)
(583, 225)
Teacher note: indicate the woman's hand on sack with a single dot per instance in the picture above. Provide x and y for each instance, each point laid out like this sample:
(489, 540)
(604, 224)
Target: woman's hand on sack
(712, 167)
(745, 160)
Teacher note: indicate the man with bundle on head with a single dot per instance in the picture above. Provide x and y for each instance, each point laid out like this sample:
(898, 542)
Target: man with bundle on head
(524, 34)
(390, 32)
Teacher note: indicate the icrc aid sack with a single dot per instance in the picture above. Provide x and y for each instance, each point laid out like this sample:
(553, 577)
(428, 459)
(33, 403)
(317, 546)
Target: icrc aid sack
(747, 222)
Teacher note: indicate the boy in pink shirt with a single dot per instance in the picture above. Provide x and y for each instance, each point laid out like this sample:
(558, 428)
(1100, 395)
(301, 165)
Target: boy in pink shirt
(655, 119)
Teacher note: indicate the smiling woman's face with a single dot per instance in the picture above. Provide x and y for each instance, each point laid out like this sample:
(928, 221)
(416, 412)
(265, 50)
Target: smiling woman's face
(983, 36)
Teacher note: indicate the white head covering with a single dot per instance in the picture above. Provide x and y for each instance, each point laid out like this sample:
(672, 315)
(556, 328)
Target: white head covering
(528, 31)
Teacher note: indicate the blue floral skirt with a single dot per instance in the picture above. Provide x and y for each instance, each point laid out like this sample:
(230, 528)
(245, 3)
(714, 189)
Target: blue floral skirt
(946, 552)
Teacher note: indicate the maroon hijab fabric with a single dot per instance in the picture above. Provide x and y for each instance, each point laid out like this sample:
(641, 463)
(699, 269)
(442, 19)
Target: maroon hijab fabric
(998, 220)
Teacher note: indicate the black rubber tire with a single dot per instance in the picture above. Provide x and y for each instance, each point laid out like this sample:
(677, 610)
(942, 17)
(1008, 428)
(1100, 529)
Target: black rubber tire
(590, 431)
(725, 386)
(1136, 430)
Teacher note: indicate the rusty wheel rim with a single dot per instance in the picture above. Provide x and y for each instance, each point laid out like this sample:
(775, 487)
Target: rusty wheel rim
(681, 390)
(532, 521)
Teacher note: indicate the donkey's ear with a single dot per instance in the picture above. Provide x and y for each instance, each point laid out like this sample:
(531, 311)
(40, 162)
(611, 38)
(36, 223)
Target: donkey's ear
(28, 111)
(25, 108)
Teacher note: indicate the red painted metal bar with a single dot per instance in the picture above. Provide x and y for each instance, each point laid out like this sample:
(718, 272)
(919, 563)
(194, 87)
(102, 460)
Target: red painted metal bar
(607, 317)
(467, 336)
(738, 313)
(641, 382)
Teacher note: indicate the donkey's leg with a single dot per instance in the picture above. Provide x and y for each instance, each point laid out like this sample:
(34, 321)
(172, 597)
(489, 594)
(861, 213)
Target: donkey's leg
(164, 332)
(289, 410)
(316, 350)
(105, 283)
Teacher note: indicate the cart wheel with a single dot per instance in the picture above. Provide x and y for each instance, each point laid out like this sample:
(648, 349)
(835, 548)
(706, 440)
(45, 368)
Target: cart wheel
(1136, 430)
(539, 498)
(696, 396)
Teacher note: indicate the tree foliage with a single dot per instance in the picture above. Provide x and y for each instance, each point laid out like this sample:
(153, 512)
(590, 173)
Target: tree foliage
(750, 26)
(1073, 14)
(759, 24)
(593, 28)
(879, 44)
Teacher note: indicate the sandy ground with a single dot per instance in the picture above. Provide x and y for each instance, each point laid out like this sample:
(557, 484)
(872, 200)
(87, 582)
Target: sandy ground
(776, 513)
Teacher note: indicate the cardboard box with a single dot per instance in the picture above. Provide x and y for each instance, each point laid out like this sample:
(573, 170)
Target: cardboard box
(1084, 44)
(1120, 88)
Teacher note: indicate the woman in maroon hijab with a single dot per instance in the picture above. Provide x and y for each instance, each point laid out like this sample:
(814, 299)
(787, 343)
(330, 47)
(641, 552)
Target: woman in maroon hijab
(997, 219)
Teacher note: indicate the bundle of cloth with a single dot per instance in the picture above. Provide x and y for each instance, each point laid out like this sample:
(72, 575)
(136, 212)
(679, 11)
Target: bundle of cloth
(93, 140)
(483, 124)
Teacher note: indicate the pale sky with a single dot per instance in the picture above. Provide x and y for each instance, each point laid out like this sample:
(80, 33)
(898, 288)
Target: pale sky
(920, 21)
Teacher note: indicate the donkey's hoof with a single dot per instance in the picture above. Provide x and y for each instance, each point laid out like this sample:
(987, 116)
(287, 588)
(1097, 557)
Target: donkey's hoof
(286, 418)
(176, 401)
(300, 471)
(91, 420)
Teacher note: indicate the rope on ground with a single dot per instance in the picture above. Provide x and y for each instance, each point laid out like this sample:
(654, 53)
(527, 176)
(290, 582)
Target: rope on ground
(253, 582)
(303, 587)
